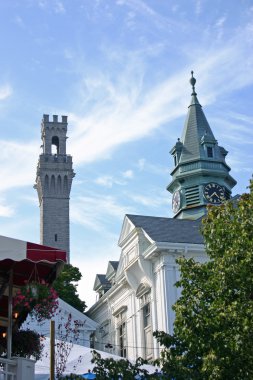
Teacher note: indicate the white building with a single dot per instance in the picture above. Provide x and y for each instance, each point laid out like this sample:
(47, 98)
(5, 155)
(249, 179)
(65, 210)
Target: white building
(136, 296)
(84, 325)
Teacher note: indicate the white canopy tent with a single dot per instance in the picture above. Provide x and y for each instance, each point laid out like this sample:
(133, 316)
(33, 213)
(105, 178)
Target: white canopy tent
(79, 361)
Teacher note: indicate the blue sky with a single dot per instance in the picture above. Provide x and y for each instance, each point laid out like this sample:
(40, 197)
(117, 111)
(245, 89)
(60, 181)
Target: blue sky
(120, 70)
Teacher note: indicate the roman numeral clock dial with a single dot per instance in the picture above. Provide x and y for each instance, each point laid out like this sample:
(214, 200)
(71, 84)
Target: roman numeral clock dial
(214, 193)
(176, 201)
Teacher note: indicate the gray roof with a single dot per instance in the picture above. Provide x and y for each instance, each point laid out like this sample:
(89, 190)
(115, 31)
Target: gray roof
(114, 264)
(168, 229)
(102, 279)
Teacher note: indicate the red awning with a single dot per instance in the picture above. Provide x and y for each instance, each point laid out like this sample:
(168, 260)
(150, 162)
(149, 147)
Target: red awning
(29, 262)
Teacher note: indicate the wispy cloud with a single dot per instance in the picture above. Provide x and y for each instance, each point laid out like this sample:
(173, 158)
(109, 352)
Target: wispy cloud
(198, 7)
(59, 7)
(5, 210)
(108, 181)
(120, 115)
(128, 174)
(5, 91)
(18, 163)
(94, 212)
(150, 201)
(144, 165)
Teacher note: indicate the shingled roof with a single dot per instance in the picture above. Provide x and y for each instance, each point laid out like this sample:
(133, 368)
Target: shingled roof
(169, 229)
(196, 130)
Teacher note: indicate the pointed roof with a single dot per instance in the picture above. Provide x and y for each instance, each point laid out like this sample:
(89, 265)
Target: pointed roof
(101, 282)
(196, 132)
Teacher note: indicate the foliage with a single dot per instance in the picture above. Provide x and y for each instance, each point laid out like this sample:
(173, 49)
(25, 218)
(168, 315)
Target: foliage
(38, 298)
(25, 343)
(213, 329)
(67, 334)
(109, 368)
(66, 287)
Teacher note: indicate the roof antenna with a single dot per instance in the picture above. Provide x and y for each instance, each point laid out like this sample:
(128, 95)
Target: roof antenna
(192, 82)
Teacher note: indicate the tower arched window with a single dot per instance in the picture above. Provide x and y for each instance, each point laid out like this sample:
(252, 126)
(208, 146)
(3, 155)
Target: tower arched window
(52, 185)
(46, 184)
(59, 185)
(55, 145)
(65, 184)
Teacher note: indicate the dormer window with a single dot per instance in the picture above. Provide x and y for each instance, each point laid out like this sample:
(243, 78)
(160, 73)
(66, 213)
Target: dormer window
(209, 152)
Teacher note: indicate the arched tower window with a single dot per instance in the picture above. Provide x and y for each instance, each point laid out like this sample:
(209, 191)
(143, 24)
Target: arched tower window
(65, 184)
(46, 184)
(59, 187)
(55, 145)
(52, 185)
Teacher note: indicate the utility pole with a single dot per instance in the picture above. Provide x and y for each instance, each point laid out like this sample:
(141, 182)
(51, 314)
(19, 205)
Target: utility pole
(52, 348)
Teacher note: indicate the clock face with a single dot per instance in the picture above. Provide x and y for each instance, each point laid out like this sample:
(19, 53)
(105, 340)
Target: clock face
(214, 193)
(176, 200)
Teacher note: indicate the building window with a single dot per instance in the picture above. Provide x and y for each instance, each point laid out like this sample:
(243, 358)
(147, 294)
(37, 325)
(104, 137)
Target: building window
(209, 152)
(122, 333)
(147, 328)
(92, 340)
(175, 160)
(55, 237)
(122, 339)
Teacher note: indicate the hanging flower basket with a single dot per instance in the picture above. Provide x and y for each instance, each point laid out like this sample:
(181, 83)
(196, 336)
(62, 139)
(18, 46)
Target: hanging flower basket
(40, 300)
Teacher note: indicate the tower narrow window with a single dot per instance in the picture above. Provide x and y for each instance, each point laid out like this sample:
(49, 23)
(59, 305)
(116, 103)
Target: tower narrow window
(209, 152)
(175, 160)
(55, 142)
(55, 237)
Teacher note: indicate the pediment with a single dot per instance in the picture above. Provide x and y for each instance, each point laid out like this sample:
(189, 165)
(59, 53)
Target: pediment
(101, 282)
(111, 269)
(127, 228)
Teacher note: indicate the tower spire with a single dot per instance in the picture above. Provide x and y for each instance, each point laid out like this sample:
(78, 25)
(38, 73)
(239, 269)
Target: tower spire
(200, 165)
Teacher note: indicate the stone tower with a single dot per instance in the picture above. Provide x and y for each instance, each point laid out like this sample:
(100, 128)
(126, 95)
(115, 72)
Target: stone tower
(201, 174)
(53, 183)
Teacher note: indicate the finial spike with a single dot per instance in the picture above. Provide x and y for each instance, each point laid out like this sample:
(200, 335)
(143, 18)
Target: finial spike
(193, 82)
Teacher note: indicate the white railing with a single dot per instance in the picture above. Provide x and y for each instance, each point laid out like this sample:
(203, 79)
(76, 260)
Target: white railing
(17, 369)
(8, 369)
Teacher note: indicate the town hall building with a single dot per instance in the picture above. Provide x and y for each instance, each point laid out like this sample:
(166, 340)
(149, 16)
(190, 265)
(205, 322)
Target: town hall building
(137, 292)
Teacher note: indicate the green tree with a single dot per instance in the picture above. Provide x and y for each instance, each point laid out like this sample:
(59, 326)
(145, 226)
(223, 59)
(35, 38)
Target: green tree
(66, 286)
(110, 368)
(213, 330)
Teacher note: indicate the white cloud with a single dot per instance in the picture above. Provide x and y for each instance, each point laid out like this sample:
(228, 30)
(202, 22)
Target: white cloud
(151, 201)
(59, 7)
(5, 91)
(94, 212)
(17, 164)
(5, 211)
(128, 174)
(144, 165)
(198, 7)
(124, 111)
(105, 180)
(19, 21)
(109, 181)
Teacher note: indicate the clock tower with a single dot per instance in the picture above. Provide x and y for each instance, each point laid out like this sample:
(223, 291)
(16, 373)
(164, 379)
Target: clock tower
(200, 175)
